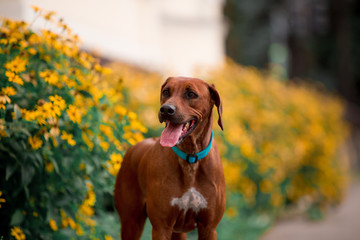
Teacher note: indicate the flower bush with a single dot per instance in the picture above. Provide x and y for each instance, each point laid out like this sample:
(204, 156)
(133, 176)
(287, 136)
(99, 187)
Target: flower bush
(63, 133)
(65, 124)
(280, 147)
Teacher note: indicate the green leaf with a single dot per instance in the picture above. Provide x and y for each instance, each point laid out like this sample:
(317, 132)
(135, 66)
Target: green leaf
(86, 93)
(63, 200)
(27, 193)
(38, 158)
(17, 218)
(10, 169)
(17, 111)
(53, 161)
(27, 173)
(16, 146)
(25, 131)
(8, 151)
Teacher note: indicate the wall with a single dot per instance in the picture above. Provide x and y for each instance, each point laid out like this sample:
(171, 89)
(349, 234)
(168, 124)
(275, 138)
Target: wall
(173, 36)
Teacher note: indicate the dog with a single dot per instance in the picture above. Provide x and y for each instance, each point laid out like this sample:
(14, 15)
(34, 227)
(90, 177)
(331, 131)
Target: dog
(177, 180)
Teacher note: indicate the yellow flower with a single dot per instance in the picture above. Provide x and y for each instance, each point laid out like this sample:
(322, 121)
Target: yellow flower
(49, 111)
(247, 149)
(23, 44)
(266, 186)
(2, 129)
(17, 65)
(71, 222)
(3, 133)
(62, 213)
(64, 223)
(34, 39)
(9, 91)
(53, 225)
(85, 137)
(90, 198)
(74, 114)
(17, 233)
(35, 214)
(231, 212)
(35, 142)
(114, 164)
(79, 230)
(128, 135)
(2, 200)
(14, 78)
(68, 137)
(233, 172)
(4, 41)
(48, 15)
(3, 100)
(32, 51)
(116, 158)
(58, 101)
(247, 188)
(104, 145)
(86, 210)
(89, 185)
(49, 167)
(132, 116)
(107, 131)
(82, 166)
(89, 221)
(28, 115)
(136, 125)
(50, 77)
(107, 237)
(35, 8)
(276, 199)
(54, 131)
(54, 141)
(120, 110)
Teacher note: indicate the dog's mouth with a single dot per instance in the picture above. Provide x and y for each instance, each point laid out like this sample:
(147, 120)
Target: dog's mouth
(175, 133)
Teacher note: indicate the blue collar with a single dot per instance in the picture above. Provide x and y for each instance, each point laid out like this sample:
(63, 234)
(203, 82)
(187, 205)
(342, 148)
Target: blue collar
(193, 158)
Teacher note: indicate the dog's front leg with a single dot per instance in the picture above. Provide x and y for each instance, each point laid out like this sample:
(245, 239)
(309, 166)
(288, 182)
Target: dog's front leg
(161, 234)
(206, 233)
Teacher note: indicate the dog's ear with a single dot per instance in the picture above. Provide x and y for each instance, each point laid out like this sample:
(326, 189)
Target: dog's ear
(162, 87)
(217, 101)
(164, 84)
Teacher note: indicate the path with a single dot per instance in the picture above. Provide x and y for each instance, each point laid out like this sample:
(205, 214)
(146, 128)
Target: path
(342, 224)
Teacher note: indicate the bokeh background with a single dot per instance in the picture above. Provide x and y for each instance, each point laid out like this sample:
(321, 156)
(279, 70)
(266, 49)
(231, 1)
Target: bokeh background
(80, 84)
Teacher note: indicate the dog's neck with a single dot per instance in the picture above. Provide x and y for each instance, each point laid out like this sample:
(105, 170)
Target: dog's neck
(194, 143)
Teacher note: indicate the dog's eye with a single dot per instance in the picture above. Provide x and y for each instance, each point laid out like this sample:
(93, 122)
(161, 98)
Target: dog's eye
(191, 95)
(166, 93)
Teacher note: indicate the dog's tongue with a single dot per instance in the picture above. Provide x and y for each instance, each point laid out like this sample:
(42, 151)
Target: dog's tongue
(171, 134)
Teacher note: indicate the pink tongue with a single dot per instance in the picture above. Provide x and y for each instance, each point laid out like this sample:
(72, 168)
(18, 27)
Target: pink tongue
(171, 134)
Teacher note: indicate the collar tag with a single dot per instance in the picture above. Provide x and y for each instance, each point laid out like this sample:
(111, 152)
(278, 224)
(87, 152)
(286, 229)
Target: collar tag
(193, 158)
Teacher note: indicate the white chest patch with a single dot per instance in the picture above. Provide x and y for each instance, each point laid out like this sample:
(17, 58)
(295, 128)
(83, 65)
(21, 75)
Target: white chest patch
(192, 199)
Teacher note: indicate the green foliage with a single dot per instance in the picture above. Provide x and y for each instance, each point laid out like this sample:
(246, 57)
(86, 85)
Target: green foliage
(61, 142)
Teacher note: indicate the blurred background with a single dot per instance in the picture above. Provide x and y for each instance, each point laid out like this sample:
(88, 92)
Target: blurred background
(288, 73)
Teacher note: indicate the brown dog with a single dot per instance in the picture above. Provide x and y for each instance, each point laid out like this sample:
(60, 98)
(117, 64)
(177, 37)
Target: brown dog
(176, 194)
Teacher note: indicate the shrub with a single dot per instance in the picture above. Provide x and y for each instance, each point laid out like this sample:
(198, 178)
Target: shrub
(281, 141)
(63, 133)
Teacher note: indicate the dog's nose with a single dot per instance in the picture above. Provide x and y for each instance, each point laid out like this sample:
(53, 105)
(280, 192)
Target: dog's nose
(168, 109)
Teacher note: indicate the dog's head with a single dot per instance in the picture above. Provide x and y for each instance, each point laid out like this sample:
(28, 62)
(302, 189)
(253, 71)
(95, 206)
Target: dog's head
(186, 104)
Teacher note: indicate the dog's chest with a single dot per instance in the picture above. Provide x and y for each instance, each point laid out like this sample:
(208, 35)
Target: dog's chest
(192, 199)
